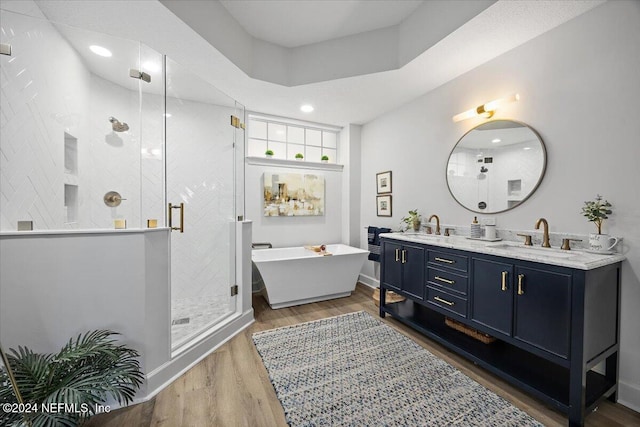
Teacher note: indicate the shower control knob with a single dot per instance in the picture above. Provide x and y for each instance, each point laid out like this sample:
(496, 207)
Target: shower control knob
(113, 199)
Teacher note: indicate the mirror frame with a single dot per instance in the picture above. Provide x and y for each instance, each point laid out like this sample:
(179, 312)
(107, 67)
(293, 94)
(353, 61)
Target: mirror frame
(533, 190)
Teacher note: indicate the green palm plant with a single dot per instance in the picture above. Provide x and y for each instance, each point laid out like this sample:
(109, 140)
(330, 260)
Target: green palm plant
(83, 375)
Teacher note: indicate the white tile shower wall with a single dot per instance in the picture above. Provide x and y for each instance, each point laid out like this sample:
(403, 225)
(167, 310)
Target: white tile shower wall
(44, 92)
(108, 160)
(200, 174)
(592, 147)
(39, 104)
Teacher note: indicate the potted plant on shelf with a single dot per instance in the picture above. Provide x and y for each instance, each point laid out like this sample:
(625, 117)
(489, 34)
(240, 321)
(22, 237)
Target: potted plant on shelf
(82, 375)
(268, 154)
(412, 220)
(325, 159)
(299, 156)
(597, 211)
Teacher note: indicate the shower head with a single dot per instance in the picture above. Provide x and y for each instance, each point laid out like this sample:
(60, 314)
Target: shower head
(117, 126)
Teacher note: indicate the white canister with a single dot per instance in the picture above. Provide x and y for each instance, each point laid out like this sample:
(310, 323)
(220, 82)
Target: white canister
(490, 232)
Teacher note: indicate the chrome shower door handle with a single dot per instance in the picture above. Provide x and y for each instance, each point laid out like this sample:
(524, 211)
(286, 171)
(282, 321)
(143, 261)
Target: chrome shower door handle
(171, 208)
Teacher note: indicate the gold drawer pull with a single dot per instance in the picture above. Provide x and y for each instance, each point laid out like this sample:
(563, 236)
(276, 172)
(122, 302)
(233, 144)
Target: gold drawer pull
(448, 261)
(451, 282)
(520, 283)
(444, 301)
(397, 255)
(504, 281)
(404, 256)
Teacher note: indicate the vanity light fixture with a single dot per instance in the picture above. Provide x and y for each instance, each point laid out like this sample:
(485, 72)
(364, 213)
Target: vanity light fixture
(306, 108)
(486, 110)
(100, 51)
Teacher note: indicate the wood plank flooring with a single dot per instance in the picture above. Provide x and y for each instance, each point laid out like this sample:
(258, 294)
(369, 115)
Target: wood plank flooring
(231, 386)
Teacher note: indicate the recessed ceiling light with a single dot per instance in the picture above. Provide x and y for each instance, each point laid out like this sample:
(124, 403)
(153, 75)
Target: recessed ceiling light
(167, 115)
(151, 66)
(101, 51)
(527, 148)
(306, 108)
(495, 141)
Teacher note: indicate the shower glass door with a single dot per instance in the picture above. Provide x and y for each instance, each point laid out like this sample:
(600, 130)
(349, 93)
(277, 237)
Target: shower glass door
(200, 187)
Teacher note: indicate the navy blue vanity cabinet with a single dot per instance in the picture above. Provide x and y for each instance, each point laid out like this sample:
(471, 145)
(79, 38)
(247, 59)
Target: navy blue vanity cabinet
(447, 282)
(403, 268)
(553, 324)
(542, 310)
(492, 296)
(391, 266)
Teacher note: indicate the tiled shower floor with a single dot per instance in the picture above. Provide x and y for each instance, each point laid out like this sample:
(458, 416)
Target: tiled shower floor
(189, 316)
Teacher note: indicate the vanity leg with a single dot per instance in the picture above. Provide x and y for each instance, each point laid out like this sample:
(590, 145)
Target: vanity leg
(383, 298)
(577, 389)
(611, 373)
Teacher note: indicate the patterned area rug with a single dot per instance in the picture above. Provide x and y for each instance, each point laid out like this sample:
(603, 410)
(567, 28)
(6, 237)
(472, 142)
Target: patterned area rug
(353, 370)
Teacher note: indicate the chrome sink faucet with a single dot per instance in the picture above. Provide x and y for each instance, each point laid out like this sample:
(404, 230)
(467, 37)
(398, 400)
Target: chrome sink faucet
(545, 232)
(437, 222)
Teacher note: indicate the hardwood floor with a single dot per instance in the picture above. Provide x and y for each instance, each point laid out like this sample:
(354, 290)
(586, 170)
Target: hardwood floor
(231, 386)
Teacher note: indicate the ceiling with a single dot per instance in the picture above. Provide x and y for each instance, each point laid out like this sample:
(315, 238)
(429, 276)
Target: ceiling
(293, 23)
(214, 47)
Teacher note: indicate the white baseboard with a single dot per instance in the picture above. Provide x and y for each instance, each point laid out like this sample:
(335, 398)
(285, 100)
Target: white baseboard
(629, 395)
(164, 375)
(369, 281)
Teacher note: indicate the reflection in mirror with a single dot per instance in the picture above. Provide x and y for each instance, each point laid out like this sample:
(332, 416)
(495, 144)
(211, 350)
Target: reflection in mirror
(496, 166)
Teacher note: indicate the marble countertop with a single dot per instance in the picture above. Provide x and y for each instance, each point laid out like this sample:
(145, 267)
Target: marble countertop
(579, 259)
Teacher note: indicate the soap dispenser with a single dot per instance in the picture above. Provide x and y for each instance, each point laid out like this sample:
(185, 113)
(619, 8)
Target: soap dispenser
(476, 230)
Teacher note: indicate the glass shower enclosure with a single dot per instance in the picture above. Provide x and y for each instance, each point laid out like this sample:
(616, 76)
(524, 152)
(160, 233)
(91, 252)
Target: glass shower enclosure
(99, 133)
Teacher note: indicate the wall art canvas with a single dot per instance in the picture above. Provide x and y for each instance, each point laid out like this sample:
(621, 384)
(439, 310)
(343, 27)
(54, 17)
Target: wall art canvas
(293, 194)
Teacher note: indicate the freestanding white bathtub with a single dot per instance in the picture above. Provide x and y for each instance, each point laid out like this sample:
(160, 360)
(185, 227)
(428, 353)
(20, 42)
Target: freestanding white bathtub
(294, 276)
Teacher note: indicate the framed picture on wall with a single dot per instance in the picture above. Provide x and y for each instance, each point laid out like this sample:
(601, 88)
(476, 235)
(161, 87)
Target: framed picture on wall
(383, 205)
(383, 182)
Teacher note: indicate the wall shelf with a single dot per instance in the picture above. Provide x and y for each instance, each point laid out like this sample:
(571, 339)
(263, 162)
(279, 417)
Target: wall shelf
(299, 164)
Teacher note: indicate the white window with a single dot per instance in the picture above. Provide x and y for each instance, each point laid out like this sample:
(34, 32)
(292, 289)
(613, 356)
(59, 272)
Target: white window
(287, 139)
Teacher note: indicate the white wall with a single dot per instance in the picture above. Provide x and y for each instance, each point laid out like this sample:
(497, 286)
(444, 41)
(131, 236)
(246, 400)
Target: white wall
(580, 90)
(56, 286)
(298, 230)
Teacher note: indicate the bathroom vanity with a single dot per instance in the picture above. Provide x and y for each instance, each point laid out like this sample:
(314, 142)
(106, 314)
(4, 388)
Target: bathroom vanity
(555, 313)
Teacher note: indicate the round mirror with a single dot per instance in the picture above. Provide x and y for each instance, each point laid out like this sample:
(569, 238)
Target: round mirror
(496, 166)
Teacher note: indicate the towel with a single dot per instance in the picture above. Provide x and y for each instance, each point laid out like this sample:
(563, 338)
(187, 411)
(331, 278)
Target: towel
(373, 238)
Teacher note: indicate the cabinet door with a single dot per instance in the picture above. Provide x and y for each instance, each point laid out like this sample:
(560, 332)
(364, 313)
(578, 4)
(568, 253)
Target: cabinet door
(543, 309)
(492, 295)
(392, 267)
(413, 264)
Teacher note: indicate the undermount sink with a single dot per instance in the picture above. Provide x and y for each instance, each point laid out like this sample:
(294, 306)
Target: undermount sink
(542, 252)
(427, 237)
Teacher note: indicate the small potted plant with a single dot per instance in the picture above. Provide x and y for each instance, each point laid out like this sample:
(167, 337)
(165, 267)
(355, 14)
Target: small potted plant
(412, 220)
(299, 156)
(269, 154)
(597, 211)
(324, 159)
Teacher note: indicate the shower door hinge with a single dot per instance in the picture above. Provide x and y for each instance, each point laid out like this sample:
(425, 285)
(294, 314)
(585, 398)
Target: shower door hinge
(234, 290)
(5, 49)
(236, 123)
(137, 74)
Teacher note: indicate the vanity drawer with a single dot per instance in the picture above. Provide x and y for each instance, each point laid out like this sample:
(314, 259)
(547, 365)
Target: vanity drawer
(449, 281)
(448, 260)
(445, 301)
